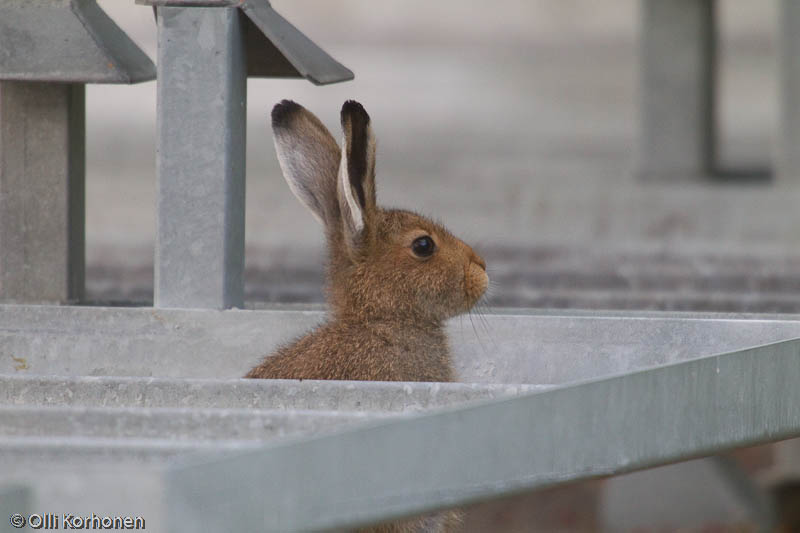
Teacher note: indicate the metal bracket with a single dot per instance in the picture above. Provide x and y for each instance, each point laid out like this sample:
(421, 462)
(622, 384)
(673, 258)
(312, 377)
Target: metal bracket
(275, 48)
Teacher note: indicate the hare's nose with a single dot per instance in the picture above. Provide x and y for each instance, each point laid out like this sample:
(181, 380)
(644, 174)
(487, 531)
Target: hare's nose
(478, 260)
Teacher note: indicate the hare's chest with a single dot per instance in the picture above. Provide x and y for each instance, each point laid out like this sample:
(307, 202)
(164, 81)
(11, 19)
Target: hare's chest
(413, 360)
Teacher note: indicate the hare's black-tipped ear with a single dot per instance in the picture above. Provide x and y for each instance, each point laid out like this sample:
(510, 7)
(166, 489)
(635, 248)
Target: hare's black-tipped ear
(309, 158)
(357, 174)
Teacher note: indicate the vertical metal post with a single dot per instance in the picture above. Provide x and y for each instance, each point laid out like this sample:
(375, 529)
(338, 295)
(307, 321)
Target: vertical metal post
(677, 83)
(42, 169)
(200, 166)
(788, 145)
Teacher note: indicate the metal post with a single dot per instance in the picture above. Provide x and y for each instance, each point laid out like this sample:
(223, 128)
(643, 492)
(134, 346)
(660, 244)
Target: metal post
(677, 80)
(788, 154)
(42, 167)
(202, 91)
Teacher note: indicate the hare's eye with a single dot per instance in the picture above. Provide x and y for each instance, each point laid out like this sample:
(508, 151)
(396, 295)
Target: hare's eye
(423, 246)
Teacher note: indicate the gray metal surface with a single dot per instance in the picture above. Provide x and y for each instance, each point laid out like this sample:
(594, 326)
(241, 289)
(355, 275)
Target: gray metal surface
(788, 135)
(42, 160)
(202, 99)
(67, 41)
(401, 468)
(676, 88)
(310, 61)
(13, 500)
(72, 452)
(72, 439)
(506, 346)
(100, 487)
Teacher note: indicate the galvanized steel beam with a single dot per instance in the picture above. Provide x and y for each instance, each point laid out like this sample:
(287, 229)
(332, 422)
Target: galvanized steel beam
(206, 51)
(67, 41)
(48, 50)
(42, 168)
(676, 88)
(788, 137)
(200, 167)
(397, 469)
(275, 48)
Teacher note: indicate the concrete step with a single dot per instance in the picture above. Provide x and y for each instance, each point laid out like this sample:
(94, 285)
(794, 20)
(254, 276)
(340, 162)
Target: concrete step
(77, 451)
(71, 439)
(105, 391)
(178, 424)
(65, 418)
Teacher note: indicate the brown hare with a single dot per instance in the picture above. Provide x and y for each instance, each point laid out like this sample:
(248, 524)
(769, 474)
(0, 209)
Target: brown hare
(394, 277)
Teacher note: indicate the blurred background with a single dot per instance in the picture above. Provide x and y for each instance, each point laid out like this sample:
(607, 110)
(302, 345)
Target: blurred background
(515, 123)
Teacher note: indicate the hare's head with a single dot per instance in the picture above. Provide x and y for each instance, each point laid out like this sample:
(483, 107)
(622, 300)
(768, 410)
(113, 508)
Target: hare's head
(384, 263)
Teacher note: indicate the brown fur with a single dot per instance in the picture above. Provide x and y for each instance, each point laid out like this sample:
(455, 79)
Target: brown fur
(388, 305)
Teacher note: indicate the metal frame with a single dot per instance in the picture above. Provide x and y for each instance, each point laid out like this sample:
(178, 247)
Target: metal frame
(50, 50)
(677, 68)
(200, 167)
(788, 158)
(199, 259)
(462, 455)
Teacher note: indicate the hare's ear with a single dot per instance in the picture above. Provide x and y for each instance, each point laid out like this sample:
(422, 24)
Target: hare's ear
(309, 158)
(356, 188)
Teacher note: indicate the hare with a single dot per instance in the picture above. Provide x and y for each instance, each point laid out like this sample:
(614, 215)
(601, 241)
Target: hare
(394, 276)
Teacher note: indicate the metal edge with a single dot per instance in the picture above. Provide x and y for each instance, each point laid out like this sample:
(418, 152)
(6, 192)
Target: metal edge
(293, 43)
(130, 62)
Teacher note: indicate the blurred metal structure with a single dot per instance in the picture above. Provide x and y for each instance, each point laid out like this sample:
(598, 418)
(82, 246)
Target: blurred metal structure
(50, 49)
(207, 49)
(677, 82)
(788, 154)
(678, 90)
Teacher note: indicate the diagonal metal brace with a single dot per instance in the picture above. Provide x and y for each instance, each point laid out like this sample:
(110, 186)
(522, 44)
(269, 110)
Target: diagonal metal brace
(275, 48)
